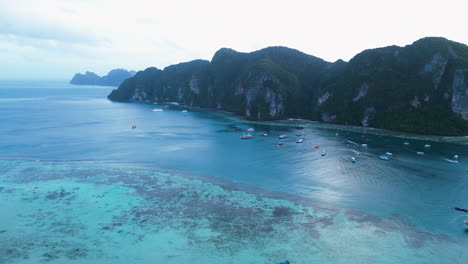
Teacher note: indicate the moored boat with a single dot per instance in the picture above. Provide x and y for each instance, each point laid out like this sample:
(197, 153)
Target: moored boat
(383, 157)
(248, 136)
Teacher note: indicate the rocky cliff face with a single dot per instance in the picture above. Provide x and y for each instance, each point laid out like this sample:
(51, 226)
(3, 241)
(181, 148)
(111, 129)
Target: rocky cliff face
(460, 93)
(113, 78)
(417, 88)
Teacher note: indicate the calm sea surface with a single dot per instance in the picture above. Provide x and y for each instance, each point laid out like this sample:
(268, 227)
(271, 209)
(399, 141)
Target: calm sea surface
(79, 185)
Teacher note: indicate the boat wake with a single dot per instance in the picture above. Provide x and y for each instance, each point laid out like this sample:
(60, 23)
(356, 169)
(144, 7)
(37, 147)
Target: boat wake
(449, 160)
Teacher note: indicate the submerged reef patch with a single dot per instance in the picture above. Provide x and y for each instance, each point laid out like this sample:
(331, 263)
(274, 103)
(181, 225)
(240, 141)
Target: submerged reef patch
(87, 212)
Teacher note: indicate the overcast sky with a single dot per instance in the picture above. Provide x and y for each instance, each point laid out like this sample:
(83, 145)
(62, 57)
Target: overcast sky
(57, 38)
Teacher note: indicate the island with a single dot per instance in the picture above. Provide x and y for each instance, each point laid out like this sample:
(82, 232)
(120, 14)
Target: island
(419, 88)
(113, 78)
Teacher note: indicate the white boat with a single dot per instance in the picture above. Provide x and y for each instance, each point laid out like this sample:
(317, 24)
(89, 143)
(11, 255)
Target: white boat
(300, 140)
(353, 159)
(406, 143)
(427, 146)
(282, 137)
(388, 154)
(383, 157)
(455, 156)
(323, 153)
(184, 111)
(173, 103)
(364, 145)
(419, 153)
(248, 136)
(265, 135)
(157, 110)
(250, 129)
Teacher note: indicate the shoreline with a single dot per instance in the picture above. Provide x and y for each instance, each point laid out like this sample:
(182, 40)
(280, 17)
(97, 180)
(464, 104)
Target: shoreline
(293, 122)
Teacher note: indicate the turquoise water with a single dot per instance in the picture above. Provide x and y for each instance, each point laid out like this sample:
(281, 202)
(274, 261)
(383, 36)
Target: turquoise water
(78, 185)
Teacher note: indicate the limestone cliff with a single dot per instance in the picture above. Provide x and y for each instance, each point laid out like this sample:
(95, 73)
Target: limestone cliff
(417, 88)
(113, 78)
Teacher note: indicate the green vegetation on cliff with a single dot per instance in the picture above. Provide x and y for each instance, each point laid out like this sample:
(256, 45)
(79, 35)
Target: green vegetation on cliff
(418, 88)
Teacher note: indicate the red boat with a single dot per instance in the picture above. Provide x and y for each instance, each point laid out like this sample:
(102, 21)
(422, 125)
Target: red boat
(300, 127)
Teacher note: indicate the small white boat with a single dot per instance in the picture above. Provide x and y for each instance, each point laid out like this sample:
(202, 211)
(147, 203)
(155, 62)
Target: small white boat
(265, 135)
(419, 153)
(388, 153)
(455, 156)
(364, 145)
(383, 157)
(300, 140)
(157, 110)
(323, 153)
(353, 159)
(184, 111)
(248, 136)
(282, 137)
(406, 143)
(250, 129)
(427, 146)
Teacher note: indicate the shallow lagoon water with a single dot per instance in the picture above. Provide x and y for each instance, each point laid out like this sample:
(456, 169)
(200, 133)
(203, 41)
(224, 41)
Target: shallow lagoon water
(78, 185)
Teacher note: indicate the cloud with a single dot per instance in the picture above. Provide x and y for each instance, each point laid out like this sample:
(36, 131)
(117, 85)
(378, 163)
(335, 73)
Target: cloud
(77, 35)
(48, 20)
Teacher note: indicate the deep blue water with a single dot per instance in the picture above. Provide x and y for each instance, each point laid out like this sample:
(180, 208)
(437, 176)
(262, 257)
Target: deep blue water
(52, 128)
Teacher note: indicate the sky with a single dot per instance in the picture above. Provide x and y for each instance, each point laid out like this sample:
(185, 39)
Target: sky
(54, 39)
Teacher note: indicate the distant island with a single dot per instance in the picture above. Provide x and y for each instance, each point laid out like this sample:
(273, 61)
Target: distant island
(420, 88)
(113, 78)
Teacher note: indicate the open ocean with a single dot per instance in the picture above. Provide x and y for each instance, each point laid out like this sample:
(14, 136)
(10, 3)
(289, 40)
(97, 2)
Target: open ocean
(79, 185)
